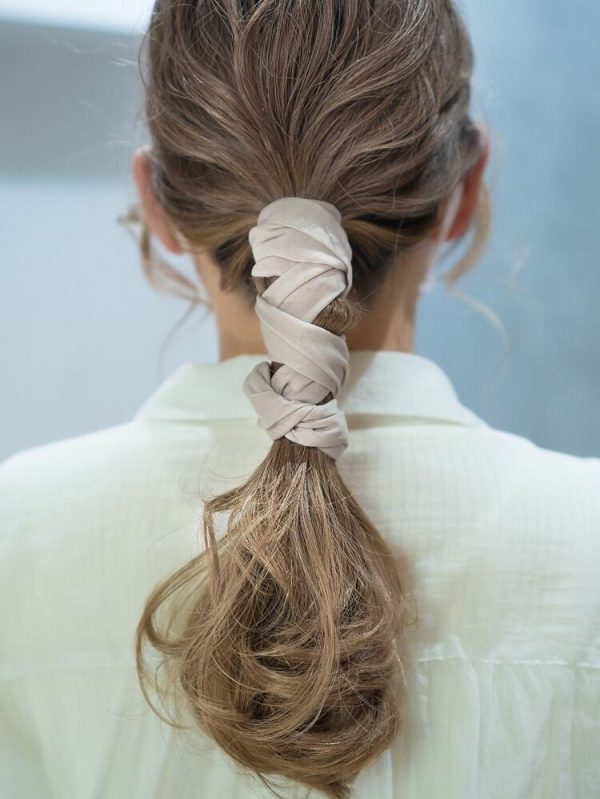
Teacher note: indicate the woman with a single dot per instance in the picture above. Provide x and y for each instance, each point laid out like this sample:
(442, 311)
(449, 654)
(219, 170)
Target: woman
(390, 598)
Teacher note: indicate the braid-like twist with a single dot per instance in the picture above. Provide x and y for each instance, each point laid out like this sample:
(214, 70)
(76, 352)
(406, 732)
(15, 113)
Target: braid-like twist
(303, 244)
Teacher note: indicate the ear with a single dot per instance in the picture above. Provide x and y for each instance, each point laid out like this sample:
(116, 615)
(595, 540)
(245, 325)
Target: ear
(154, 217)
(472, 185)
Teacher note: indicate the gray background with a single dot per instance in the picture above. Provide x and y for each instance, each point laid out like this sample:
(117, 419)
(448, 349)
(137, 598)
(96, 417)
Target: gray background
(85, 339)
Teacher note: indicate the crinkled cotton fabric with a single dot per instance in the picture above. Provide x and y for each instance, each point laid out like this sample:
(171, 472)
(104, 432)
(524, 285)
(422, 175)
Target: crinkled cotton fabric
(502, 539)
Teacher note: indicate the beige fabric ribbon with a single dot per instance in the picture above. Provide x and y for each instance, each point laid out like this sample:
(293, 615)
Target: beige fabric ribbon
(303, 244)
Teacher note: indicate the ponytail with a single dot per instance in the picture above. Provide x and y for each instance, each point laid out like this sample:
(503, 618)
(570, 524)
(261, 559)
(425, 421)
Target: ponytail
(288, 656)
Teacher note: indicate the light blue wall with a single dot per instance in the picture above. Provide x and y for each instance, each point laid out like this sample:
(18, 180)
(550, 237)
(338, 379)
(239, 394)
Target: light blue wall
(82, 331)
(537, 80)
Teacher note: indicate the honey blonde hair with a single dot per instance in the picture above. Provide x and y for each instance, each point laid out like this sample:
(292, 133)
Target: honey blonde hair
(281, 636)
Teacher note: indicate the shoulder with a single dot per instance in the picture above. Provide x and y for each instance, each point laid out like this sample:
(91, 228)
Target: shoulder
(80, 473)
(102, 478)
(536, 476)
(480, 456)
(42, 470)
(502, 479)
(68, 508)
(526, 457)
(543, 494)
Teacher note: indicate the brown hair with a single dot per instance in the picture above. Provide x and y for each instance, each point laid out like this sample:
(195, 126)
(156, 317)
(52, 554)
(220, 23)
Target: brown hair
(283, 632)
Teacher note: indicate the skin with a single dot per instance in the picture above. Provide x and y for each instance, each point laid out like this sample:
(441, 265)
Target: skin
(390, 323)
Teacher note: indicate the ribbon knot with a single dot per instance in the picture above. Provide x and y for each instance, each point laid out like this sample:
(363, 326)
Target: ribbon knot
(302, 243)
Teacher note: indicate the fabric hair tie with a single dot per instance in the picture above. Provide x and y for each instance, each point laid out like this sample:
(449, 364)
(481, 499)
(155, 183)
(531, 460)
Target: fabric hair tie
(302, 243)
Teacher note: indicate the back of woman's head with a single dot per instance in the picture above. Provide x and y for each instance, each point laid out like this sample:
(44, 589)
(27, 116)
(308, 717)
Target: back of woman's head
(284, 638)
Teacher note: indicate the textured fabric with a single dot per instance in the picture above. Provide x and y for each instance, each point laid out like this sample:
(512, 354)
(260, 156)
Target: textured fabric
(314, 361)
(501, 538)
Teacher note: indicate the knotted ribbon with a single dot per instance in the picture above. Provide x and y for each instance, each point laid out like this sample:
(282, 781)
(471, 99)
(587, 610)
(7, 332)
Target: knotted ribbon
(302, 243)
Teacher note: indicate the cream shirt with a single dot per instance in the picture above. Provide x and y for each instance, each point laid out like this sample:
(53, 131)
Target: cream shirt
(502, 537)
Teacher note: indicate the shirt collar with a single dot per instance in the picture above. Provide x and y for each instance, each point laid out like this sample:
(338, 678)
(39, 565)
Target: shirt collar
(380, 384)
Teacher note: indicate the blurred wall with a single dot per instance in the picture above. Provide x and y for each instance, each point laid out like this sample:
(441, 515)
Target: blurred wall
(85, 339)
(82, 331)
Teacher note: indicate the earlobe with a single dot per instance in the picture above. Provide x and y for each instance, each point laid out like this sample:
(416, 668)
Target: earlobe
(154, 218)
(472, 187)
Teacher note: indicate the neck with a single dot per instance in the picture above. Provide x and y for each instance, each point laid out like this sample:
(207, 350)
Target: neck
(246, 339)
(387, 324)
